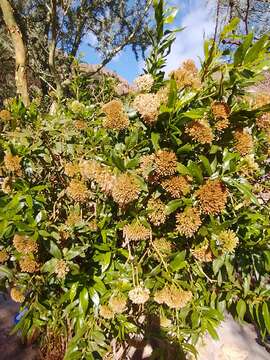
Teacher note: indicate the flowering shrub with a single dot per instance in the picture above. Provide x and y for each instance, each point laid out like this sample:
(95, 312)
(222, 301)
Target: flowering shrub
(155, 209)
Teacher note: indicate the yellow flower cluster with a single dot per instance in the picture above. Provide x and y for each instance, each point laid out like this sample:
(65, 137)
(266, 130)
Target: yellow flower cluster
(136, 232)
(24, 244)
(165, 163)
(13, 163)
(248, 166)
(89, 169)
(203, 252)
(144, 82)
(5, 115)
(3, 256)
(147, 105)
(139, 295)
(157, 211)
(116, 118)
(71, 169)
(175, 298)
(74, 218)
(162, 247)
(187, 75)
(243, 142)
(228, 241)
(61, 268)
(78, 191)
(259, 99)
(220, 110)
(16, 295)
(163, 94)
(212, 197)
(118, 304)
(147, 165)
(125, 189)
(176, 186)
(29, 265)
(80, 124)
(106, 312)
(188, 222)
(76, 107)
(200, 130)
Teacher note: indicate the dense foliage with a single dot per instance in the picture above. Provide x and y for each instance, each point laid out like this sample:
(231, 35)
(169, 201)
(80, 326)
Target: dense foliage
(145, 214)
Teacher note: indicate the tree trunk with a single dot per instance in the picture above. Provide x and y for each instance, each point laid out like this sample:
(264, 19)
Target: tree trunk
(20, 51)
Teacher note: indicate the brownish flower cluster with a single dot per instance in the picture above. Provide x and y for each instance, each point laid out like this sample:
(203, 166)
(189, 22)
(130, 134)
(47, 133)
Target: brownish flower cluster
(175, 298)
(157, 211)
(118, 304)
(162, 248)
(248, 165)
(78, 191)
(188, 222)
(116, 118)
(61, 268)
(200, 130)
(187, 75)
(243, 142)
(139, 295)
(29, 265)
(263, 121)
(163, 94)
(5, 115)
(3, 256)
(92, 225)
(13, 163)
(220, 110)
(147, 105)
(71, 169)
(89, 169)
(203, 252)
(228, 241)
(80, 124)
(144, 82)
(176, 186)
(165, 163)
(24, 244)
(6, 186)
(136, 232)
(125, 189)
(259, 99)
(16, 295)
(147, 165)
(212, 196)
(106, 312)
(74, 218)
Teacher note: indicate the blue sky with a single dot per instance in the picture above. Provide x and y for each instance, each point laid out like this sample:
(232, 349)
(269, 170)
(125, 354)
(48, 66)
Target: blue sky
(197, 18)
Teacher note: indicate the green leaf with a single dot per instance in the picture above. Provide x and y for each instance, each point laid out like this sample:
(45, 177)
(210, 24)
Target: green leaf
(254, 51)
(155, 140)
(84, 299)
(182, 169)
(210, 328)
(54, 250)
(173, 205)
(266, 316)
(229, 28)
(5, 272)
(245, 189)
(241, 308)
(49, 266)
(206, 164)
(195, 171)
(179, 261)
(217, 264)
(242, 49)
(73, 291)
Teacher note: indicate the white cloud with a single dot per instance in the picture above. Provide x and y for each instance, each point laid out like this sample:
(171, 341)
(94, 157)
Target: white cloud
(199, 24)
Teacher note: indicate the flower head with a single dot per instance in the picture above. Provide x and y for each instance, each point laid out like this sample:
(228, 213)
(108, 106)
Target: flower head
(220, 110)
(118, 304)
(105, 180)
(116, 118)
(3, 256)
(125, 189)
(187, 75)
(248, 165)
(71, 169)
(16, 295)
(165, 163)
(76, 107)
(157, 211)
(5, 115)
(200, 130)
(106, 312)
(222, 124)
(188, 222)
(144, 82)
(29, 265)
(203, 252)
(163, 94)
(243, 142)
(175, 298)
(162, 247)
(80, 124)
(6, 186)
(176, 186)
(263, 121)
(136, 232)
(147, 165)
(61, 268)
(78, 191)
(147, 106)
(139, 295)
(13, 163)
(228, 241)
(74, 218)
(25, 244)
(89, 169)
(212, 196)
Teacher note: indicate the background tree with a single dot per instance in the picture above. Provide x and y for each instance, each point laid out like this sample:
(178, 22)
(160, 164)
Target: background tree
(54, 30)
